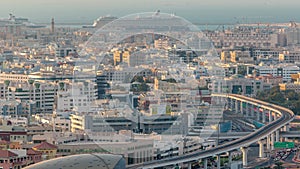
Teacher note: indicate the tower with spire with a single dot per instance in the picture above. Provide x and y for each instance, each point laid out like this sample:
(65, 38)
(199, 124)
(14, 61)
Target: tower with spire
(52, 25)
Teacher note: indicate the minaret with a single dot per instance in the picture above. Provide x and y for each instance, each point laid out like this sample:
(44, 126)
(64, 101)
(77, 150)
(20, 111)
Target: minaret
(52, 25)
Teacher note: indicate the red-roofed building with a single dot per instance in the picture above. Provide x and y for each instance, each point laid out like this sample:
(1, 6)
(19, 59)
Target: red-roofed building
(48, 150)
(34, 156)
(10, 160)
(7, 154)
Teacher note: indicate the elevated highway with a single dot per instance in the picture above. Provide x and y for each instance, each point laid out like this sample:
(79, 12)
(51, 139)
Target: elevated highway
(286, 116)
(235, 135)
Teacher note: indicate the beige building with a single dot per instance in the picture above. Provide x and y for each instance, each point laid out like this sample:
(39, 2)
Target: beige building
(162, 43)
(241, 57)
(121, 56)
(290, 86)
(295, 77)
(289, 56)
(14, 77)
(243, 38)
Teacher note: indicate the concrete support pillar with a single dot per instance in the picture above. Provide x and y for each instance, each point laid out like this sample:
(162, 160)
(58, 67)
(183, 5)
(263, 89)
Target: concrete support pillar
(277, 136)
(189, 165)
(252, 111)
(275, 116)
(245, 155)
(282, 129)
(286, 128)
(263, 116)
(231, 104)
(248, 111)
(205, 163)
(236, 106)
(218, 161)
(257, 114)
(268, 142)
(242, 108)
(270, 116)
(229, 158)
(261, 149)
(272, 141)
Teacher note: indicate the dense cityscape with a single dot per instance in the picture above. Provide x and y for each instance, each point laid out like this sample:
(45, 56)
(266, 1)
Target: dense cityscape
(149, 90)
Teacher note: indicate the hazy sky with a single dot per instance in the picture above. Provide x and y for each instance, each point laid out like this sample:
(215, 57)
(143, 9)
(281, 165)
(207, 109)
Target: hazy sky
(193, 10)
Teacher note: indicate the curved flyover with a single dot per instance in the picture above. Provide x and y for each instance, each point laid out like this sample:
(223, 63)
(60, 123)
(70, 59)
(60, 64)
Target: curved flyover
(286, 117)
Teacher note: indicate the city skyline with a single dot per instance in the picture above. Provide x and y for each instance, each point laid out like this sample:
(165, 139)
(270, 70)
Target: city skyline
(217, 11)
(157, 84)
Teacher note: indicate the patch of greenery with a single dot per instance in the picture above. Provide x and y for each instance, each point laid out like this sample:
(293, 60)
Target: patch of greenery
(171, 80)
(289, 98)
(140, 86)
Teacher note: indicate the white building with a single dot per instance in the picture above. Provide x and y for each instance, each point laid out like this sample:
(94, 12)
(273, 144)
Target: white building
(284, 70)
(76, 95)
(42, 93)
(238, 84)
(24, 98)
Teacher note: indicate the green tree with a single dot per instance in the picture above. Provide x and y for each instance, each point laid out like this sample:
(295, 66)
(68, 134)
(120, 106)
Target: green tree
(278, 165)
(30, 81)
(277, 97)
(292, 95)
(171, 80)
(61, 85)
(6, 82)
(274, 89)
(289, 99)
(261, 95)
(37, 85)
(142, 87)
(139, 79)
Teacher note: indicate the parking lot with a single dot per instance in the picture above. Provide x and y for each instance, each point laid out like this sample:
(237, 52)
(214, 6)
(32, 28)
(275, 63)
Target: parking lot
(283, 154)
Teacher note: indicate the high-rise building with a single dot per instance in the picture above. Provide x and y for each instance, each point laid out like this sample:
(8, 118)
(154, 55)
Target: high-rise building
(121, 56)
(52, 25)
(293, 36)
(102, 86)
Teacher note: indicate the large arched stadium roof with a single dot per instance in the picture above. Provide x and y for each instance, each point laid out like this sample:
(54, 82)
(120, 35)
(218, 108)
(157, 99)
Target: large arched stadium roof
(91, 161)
